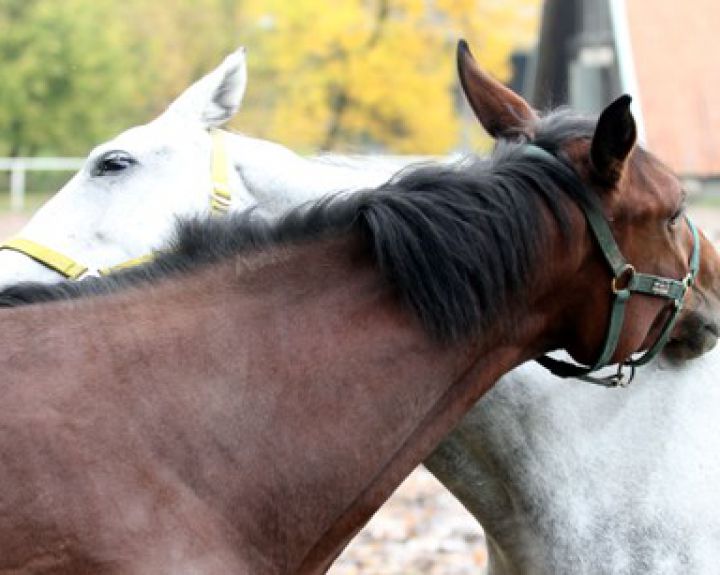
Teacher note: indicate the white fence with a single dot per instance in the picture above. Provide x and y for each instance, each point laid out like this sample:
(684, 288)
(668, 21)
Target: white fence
(18, 168)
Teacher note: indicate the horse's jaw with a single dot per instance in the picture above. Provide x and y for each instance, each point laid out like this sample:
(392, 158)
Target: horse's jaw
(695, 336)
(16, 268)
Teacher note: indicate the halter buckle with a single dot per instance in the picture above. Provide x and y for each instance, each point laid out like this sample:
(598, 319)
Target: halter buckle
(621, 378)
(627, 274)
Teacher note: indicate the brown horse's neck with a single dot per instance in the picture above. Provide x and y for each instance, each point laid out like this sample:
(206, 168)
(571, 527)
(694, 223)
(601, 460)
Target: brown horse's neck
(285, 395)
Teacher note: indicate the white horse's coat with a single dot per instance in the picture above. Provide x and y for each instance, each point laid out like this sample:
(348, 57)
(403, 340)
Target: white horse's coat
(565, 477)
(569, 478)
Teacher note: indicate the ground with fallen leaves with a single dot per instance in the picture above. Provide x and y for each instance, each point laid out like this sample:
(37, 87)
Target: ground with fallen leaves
(421, 530)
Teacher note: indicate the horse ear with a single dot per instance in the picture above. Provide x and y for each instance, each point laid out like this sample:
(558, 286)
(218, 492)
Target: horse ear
(501, 111)
(216, 97)
(614, 139)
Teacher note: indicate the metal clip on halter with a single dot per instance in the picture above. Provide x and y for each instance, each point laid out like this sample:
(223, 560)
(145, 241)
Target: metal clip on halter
(626, 274)
(620, 378)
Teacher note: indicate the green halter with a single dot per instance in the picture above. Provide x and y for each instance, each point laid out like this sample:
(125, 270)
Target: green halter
(625, 282)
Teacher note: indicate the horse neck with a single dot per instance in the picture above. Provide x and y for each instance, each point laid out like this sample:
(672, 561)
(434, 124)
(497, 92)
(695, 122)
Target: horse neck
(361, 398)
(289, 400)
(279, 178)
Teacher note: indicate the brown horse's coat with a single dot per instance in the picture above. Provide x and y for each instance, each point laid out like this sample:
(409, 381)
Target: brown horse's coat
(244, 425)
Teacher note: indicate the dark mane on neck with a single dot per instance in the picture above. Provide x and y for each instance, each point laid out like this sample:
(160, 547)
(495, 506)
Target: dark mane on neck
(458, 242)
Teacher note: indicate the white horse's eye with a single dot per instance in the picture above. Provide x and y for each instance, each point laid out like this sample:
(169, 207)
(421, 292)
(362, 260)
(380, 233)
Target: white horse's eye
(113, 162)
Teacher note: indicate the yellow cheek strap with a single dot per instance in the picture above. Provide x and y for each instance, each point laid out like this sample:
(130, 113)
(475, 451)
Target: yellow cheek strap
(220, 197)
(128, 264)
(56, 261)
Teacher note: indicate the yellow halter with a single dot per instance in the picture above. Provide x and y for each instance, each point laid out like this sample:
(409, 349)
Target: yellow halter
(220, 200)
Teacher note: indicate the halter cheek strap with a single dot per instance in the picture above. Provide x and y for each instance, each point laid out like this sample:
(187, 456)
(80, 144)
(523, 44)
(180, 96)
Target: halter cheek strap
(624, 283)
(220, 202)
(65, 266)
(220, 196)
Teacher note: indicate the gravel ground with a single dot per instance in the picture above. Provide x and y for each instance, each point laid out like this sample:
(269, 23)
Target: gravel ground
(421, 530)
(11, 223)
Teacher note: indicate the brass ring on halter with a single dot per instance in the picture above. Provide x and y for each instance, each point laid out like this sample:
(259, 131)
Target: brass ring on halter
(627, 274)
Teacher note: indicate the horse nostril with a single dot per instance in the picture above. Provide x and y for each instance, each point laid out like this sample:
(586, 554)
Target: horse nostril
(696, 336)
(712, 327)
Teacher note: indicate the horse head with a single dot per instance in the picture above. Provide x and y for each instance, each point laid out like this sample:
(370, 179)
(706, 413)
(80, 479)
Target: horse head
(125, 200)
(642, 203)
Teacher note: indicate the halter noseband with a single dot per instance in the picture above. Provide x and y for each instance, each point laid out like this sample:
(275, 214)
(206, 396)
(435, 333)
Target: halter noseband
(624, 283)
(220, 201)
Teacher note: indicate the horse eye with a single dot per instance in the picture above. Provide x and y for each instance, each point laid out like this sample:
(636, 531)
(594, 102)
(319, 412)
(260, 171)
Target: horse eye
(675, 218)
(113, 162)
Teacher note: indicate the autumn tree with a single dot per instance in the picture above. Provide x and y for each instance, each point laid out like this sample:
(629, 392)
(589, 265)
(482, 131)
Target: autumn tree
(65, 79)
(176, 42)
(76, 72)
(345, 75)
(361, 73)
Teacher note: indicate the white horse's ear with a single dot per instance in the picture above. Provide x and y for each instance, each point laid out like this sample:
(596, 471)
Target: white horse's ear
(216, 97)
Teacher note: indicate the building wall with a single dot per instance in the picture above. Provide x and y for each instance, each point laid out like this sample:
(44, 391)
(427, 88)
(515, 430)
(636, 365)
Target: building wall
(674, 46)
(678, 73)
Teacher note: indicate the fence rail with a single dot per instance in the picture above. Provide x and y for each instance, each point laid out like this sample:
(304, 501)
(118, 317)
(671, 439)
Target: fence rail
(18, 168)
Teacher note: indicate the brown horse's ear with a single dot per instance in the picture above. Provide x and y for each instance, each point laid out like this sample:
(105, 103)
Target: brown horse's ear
(500, 110)
(614, 138)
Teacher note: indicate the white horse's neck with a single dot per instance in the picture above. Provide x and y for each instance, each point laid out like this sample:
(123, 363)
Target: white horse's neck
(279, 178)
(570, 478)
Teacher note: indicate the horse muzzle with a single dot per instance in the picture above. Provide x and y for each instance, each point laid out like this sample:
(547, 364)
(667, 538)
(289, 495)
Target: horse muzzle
(696, 334)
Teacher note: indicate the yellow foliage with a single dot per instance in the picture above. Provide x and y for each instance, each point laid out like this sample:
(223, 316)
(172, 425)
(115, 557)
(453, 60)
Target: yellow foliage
(380, 73)
(341, 74)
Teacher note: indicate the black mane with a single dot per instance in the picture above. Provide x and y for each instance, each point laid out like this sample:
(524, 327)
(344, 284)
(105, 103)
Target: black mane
(457, 241)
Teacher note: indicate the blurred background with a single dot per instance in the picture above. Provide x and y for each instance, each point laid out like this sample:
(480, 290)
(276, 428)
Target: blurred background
(357, 76)
(342, 75)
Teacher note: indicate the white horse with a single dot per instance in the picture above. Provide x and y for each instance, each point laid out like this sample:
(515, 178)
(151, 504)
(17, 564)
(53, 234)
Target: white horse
(565, 478)
(126, 199)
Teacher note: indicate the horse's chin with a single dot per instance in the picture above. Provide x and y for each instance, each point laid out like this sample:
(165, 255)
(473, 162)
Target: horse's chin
(692, 345)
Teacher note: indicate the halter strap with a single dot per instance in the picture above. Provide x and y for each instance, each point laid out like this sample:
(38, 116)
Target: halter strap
(624, 283)
(48, 257)
(220, 201)
(220, 196)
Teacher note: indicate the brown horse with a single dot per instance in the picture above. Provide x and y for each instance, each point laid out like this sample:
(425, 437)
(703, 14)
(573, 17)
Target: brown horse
(246, 402)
